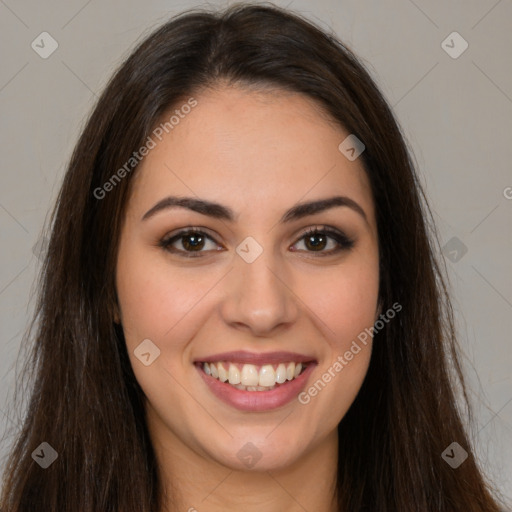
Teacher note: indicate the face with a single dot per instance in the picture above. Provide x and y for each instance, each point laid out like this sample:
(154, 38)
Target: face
(253, 290)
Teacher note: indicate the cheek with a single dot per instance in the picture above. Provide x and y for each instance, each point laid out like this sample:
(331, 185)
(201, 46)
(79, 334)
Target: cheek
(153, 301)
(153, 297)
(345, 301)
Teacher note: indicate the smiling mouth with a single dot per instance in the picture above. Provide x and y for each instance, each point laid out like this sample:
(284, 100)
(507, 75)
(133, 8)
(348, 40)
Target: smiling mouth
(251, 377)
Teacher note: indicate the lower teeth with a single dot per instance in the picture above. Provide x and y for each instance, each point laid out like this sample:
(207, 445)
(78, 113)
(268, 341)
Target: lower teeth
(241, 387)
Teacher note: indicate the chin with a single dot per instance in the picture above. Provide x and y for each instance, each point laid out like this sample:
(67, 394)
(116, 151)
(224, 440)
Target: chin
(259, 452)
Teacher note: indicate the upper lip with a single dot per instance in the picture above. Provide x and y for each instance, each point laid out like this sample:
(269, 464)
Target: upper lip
(245, 357)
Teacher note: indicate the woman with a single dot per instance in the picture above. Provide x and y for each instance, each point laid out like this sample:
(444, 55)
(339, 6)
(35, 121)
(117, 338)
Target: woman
(240, 305)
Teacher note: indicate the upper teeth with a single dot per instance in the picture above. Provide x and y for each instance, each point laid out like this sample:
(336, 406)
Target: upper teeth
(251, 375)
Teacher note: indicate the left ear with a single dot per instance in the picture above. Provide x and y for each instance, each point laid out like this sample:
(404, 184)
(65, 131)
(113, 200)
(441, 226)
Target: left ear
(116, 313)
(379, 310)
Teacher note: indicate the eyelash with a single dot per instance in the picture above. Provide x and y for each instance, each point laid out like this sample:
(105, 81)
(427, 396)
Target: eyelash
(344, 243)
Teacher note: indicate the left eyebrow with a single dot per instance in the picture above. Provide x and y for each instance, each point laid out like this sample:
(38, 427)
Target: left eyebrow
(222, 212)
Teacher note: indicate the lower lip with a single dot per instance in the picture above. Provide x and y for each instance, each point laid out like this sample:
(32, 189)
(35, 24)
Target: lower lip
(257, 400)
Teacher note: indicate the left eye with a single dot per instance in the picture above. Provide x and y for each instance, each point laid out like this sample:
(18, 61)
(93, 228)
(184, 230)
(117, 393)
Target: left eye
(315, 240)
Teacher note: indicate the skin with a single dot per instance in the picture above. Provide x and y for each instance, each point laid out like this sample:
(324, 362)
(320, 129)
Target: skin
(258, 153)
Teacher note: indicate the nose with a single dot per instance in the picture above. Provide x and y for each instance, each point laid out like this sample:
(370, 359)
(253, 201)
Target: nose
(258, 296)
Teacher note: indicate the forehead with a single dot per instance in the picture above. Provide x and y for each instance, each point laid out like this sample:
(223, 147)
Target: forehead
(251, 151)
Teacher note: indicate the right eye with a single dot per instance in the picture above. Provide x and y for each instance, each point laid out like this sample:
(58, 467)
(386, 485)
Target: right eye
(191, 240)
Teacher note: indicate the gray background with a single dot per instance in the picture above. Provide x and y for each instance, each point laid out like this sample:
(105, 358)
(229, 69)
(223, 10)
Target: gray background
(455, 114)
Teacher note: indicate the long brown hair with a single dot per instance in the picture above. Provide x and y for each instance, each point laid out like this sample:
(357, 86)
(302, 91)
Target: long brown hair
(85, 401)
